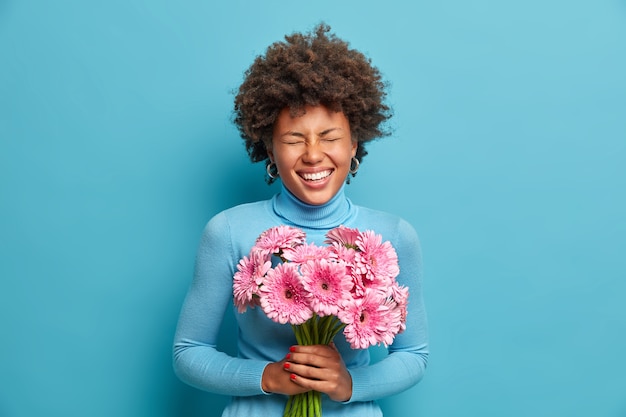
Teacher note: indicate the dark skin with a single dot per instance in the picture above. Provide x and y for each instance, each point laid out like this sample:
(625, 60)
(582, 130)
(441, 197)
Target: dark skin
(309, 368)
(299, 147)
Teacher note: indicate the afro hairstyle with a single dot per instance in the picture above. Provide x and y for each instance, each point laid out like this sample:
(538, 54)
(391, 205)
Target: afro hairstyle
(315, 68)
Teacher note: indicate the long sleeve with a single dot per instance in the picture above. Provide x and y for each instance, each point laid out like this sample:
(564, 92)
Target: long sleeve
(226, 239)
(196, 358)
(406, 362)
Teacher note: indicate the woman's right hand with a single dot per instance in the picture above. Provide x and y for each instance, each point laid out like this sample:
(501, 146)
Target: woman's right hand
(276, 380)
(306, 368)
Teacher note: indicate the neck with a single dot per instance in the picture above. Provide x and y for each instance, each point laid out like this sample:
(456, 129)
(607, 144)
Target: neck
(330, 214)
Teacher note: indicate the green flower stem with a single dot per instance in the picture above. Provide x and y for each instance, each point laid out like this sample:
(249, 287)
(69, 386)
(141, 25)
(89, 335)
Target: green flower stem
(297, 333)
(318, 404)
(326, 324)
(317, 330)
(289, 406)
(314, 321)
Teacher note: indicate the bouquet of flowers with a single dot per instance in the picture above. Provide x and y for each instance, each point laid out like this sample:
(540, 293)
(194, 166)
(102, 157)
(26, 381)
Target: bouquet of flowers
(349, 284)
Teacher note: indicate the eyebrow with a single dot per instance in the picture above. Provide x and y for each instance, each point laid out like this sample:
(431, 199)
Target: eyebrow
(322, 133)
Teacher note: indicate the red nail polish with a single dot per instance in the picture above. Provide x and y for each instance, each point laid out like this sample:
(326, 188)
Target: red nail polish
(292, 349)
(293, 376)
(287, 365)
(288, 356)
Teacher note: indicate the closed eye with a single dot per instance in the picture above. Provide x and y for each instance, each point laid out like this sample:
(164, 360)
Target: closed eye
(293, 141)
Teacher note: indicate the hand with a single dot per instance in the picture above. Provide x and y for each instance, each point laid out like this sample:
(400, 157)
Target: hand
(307, 368)
(319, 368)
(276, 380)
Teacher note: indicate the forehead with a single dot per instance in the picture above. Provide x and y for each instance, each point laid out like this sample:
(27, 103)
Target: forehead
(314, 119)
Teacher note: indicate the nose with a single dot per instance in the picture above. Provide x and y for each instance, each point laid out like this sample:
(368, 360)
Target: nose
(313, 153)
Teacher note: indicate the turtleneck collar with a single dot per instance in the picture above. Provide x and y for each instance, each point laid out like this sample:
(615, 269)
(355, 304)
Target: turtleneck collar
(333, 213)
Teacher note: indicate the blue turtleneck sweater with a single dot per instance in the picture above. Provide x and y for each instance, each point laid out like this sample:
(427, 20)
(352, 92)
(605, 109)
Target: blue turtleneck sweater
(226, 239)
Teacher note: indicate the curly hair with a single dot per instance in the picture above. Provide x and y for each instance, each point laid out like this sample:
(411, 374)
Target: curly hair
(315, 68)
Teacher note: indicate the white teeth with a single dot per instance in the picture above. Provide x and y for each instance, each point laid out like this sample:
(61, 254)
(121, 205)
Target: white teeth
(316, 176)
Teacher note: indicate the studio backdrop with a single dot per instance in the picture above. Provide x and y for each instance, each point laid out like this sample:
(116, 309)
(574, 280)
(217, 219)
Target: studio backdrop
(507, 156)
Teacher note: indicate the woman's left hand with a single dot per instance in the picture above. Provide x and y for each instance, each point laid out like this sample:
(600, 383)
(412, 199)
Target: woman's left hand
(320, 368)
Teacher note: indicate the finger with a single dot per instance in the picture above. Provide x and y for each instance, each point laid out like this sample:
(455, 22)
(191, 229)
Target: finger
(314, 360)
(317, 350)
(337, 389)
(313, 373)
(275, 381)
(303, 371)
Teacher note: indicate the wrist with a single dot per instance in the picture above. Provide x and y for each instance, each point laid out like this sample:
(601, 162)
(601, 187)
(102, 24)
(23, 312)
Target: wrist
(266, 385)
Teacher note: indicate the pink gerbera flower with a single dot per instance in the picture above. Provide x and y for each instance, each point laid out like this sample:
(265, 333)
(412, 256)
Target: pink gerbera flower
(342, 235)
(328, 285)
(358, 287)
(369, 321)
(249, 276)
(342, 253)
(345, 255)
(351, 280)
(393, 316)
(276, 239)
(303, 253)
(400, 295)
(283, 297)
(376, 259)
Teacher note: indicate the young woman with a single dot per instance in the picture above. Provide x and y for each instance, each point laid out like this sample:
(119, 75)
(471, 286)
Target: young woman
(307, 107)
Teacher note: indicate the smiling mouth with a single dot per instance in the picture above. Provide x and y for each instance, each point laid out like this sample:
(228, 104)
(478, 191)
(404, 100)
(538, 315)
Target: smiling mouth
(316, 176)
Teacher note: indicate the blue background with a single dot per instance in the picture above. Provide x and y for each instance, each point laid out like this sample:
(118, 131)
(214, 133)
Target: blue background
(507, 157)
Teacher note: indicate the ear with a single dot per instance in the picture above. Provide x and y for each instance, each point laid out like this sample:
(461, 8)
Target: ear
(355, 146)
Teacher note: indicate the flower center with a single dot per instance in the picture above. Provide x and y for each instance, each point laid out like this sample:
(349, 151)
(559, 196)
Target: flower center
(288, 294)
(324, 286)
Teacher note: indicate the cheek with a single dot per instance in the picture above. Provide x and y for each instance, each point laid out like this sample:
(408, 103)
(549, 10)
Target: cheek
(284, 158)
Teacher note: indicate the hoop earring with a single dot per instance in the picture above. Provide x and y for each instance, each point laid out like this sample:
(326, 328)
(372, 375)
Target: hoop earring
(271, 170)
(354, 165)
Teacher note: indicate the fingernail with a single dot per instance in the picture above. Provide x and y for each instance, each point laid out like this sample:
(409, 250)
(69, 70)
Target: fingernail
(293, 376)
(292, 349)
(286, 365)
(288, 356)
